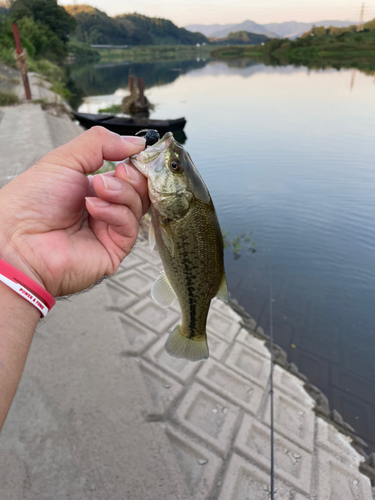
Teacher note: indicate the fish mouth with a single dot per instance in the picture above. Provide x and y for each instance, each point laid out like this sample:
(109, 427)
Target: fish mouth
(152, 157)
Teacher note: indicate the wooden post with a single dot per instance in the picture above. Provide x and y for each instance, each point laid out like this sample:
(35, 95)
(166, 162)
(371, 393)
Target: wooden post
(141, 87)
(21, 60)
(131, 85)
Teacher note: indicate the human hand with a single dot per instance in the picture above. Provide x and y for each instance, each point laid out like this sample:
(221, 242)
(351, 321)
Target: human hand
(47, 230)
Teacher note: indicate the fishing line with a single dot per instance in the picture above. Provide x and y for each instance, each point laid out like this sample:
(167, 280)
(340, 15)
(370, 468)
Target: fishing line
(271, 387)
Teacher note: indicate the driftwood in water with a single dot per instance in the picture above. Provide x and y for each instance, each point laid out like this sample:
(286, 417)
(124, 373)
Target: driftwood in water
(136, 103)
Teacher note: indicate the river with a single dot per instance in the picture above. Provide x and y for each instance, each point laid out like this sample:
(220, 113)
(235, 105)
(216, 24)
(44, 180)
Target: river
(288, 154)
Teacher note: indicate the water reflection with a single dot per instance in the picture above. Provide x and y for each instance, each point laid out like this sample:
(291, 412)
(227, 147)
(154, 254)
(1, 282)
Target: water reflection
(106, 79)
(287, 153)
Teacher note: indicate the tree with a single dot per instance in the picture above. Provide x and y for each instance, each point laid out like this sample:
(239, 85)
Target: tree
(47, 12)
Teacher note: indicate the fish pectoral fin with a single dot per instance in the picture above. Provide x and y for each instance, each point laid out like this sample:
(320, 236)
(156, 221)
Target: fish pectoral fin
(151, 237)
(168, 240)
(180, 346)
(162, 291)
(223, 290)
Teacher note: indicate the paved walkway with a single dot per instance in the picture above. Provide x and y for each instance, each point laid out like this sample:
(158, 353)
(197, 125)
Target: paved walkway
(102, 412)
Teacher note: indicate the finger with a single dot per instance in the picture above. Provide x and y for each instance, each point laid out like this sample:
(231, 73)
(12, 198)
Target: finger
(130, 174)
(90, 188)
(115, 226)
(118, 191)
(86, 152)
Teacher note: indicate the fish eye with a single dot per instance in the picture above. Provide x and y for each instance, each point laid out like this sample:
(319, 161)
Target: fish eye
(174, 166)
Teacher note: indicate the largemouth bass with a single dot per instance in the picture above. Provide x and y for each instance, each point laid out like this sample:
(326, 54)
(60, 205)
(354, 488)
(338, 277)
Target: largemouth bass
(189, 241)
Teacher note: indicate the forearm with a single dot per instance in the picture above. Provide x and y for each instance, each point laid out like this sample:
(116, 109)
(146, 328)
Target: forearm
(18, 320)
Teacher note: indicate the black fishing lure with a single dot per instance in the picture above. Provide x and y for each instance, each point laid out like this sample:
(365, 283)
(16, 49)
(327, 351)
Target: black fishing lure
(151, 135)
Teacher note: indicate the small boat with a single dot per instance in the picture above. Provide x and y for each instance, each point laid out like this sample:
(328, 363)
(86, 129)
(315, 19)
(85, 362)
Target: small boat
(128, 126)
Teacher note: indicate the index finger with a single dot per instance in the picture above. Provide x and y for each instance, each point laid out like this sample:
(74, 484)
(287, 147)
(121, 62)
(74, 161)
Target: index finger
(86, 152)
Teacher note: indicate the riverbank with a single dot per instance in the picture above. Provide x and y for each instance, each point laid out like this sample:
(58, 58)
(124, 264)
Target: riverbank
(102, 409)
(155, 53)
(347, 50)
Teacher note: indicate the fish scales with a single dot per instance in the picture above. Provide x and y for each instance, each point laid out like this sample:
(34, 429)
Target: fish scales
(195, 272)
(189, 240)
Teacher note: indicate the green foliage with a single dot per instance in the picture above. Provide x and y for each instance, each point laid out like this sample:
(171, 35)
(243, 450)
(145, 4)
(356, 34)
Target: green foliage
(241, 38)
(113, 109)
(7, 99)
(95, 27)
(238, 242)
(48, 13)
(45, 43)
(83, 53)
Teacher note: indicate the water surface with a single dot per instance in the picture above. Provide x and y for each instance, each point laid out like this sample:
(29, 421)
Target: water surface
(287, 153)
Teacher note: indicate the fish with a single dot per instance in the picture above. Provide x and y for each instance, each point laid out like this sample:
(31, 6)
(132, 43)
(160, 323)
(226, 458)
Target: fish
(186, 231)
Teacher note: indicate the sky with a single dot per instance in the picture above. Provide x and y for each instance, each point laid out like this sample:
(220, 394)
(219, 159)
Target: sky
(184, 12)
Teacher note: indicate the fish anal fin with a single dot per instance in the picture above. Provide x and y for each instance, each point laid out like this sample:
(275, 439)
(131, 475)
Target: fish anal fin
(162, 291)
(223, 290)
(180, 346)
(151, 237)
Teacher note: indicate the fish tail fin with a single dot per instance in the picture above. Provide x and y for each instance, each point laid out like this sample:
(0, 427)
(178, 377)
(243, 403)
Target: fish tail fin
(180, 346)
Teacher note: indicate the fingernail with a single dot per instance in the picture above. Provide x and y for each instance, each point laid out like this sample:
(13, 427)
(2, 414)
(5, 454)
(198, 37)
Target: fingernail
(133, 139)
(132, 173)
(111, 182)
(97, 202)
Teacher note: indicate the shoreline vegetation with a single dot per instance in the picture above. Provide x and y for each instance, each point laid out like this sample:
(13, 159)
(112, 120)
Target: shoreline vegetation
(315, 49)
(58, 39)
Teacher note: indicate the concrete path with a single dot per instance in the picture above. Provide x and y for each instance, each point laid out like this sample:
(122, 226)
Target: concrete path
(102, 412)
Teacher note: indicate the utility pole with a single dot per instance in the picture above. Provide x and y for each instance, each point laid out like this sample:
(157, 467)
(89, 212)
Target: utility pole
(360, 24)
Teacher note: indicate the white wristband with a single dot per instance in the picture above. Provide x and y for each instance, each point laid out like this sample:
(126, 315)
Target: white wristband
(26, 294)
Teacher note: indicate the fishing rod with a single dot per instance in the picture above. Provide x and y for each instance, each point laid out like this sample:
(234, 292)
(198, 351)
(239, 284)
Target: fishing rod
(271, 389)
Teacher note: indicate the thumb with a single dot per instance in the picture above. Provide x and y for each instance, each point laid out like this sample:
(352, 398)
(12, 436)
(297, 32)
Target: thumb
(86, 152)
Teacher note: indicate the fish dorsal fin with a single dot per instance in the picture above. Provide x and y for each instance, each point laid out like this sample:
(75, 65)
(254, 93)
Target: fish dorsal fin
(168, 240)
(223, 290)
(151, 237)
(162, 291)
(180, 346)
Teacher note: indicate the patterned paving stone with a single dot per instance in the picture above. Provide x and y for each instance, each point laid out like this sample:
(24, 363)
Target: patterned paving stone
(134, 281)
(199, 467)
(131, 261)
(256, 345)
(331, 440)
(209, 417)
(222, 325)
(249, 364)
(292, 463)
(150, 270)
(291, 385)
(118, 298)
(143, 251)
(181, 369)
(245, 481)
(163, 391)
(136, 337)
(151, 315)
(295, 421)
(339, 481)
(216, 346)
(231, 386)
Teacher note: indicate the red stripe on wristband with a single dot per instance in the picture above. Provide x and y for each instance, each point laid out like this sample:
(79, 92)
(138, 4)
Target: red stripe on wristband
(17, 277)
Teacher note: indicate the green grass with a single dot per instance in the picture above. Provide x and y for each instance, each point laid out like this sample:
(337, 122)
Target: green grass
(8, 99)
(113, 109)
(154, 53)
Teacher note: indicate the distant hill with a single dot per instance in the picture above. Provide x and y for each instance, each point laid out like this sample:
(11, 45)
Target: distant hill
(208, 30)
(249, 26)
(290, 29)
(240, 38)
(95, 27)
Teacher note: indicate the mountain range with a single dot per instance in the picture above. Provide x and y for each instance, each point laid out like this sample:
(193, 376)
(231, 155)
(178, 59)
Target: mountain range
(292, 29)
